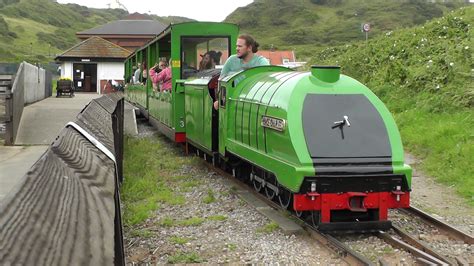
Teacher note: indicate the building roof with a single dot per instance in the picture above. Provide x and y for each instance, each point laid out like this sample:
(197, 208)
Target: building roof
(127, 27)
(276, 57)
(95, 47)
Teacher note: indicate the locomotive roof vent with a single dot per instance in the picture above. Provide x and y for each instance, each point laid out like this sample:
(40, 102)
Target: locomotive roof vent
(328, 74)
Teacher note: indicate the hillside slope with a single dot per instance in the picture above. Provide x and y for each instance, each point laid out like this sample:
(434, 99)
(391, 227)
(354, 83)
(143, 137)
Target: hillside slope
(37, 30)
(328, 22)
(425, 76)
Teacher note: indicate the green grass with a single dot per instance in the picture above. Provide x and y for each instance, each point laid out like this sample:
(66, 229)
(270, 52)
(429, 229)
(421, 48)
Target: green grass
(55, 84)
(193, 221)
(150, 168)
(182, 257)
(170, 222)
(142, 233)
(445, 143)
(178, 240)
(217, 218)
(232, 246)
(268, 228)
(209, 198)
(27, 46)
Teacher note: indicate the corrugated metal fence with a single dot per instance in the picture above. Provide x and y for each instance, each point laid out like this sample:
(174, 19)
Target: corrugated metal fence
(67, 208)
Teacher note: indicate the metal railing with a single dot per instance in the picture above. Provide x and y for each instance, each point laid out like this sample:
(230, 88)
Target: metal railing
(67, 208)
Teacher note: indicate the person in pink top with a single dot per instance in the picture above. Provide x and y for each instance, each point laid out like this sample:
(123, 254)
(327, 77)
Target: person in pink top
(163, 76)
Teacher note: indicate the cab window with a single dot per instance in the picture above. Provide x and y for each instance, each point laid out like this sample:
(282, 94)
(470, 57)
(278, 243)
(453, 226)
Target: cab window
(203, 53)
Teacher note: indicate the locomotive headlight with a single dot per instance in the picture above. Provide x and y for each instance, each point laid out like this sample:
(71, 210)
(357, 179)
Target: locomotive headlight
(313, 186)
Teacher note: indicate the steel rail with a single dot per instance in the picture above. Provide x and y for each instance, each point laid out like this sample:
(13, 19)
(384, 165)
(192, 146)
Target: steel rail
(413, 250)
(448, 229)
(417, 244)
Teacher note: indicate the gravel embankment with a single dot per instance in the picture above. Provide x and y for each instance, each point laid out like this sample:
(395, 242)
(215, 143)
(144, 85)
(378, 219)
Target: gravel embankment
(219, 230)
(440, 200)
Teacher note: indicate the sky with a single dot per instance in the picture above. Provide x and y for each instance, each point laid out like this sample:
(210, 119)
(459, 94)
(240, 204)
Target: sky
(203, 10)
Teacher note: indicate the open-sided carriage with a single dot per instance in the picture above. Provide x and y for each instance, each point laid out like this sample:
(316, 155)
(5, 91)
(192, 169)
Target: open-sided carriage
(65, 87)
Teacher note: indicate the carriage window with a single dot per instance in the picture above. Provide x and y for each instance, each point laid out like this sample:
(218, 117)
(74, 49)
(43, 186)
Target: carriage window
(202, 53)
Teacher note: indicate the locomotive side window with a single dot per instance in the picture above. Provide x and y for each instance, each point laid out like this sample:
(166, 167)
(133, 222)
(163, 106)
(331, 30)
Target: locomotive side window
(203, 53)
(222, 96)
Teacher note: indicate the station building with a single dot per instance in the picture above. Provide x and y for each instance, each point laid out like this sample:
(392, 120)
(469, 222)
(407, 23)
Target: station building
(92, 63)
(99, 56)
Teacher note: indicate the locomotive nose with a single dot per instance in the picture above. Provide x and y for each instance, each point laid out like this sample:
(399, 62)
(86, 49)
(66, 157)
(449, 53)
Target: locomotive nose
(338, 126)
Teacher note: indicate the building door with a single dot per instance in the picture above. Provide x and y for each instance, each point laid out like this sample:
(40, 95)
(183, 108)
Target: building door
(85, 77)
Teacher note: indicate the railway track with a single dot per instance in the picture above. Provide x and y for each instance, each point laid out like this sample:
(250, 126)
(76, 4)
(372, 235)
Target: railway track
(350, 256)
(397, 238)
(437, 238)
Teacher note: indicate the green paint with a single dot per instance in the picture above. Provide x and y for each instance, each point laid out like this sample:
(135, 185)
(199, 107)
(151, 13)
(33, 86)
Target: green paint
(326, 74)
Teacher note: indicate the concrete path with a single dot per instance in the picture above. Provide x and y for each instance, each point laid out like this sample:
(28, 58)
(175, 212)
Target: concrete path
(41, 122)
(15, 161)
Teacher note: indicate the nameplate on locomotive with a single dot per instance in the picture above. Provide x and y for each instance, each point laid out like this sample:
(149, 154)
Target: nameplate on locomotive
(273, 123)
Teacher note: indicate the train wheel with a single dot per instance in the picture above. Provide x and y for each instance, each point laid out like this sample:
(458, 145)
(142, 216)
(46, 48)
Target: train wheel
(315, 218)
(300, 214)
(256, 185)
(269, 193)
(284, 197)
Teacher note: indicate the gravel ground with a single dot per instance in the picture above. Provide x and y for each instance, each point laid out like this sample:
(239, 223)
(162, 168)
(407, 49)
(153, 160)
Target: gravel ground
(223, 231)
(435, 239)
(439, 200)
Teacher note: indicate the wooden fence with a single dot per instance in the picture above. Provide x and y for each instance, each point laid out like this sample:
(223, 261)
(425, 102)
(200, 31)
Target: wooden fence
(66, 211)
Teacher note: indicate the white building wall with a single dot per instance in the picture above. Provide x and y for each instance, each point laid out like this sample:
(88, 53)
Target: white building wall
(109, 70)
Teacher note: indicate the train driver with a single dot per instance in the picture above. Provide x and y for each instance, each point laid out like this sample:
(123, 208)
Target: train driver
(245, 58)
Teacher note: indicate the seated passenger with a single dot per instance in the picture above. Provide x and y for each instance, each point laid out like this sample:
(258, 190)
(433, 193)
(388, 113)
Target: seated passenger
(210, 60)
(163, 76)
(216, 57)
(207, 62)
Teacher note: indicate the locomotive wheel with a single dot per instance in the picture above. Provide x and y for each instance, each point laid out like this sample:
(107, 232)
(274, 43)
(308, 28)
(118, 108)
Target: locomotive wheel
(315, 218)
(300, 214)
(257, 185)
(269, 193)
(285, 198)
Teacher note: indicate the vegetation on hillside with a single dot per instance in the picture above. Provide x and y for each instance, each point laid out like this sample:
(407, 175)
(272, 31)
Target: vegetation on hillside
(37, 30)
(323, 22)
(424, 75)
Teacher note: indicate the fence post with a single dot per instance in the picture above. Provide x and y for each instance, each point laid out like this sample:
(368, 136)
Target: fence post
(117, 127)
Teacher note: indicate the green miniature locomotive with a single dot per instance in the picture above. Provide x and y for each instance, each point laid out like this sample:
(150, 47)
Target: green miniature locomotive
(318, 142)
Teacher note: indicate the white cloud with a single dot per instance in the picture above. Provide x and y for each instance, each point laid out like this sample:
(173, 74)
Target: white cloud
(203, 10)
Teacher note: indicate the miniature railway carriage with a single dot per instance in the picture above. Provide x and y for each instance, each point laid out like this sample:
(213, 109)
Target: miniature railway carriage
(185, 44)
(318, 142)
